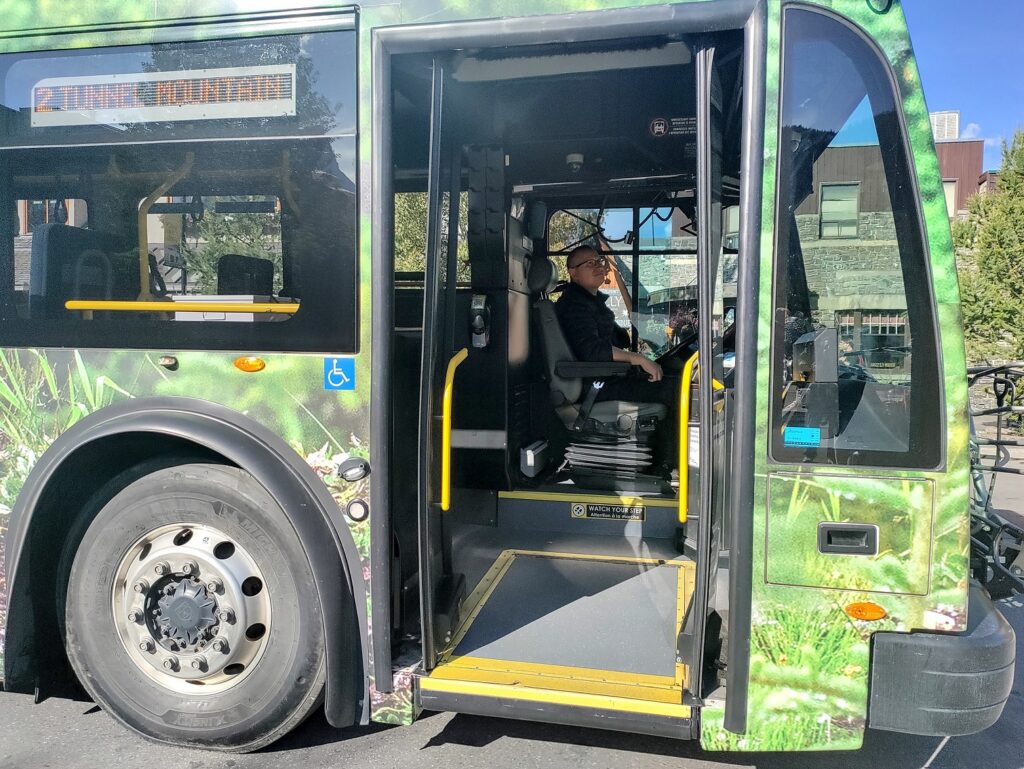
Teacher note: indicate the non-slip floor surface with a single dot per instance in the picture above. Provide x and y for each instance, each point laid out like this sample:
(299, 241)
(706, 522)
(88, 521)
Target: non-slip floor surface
(597, 614)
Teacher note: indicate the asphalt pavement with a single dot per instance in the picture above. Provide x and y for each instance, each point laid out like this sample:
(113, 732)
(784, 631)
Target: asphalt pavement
(68, 734)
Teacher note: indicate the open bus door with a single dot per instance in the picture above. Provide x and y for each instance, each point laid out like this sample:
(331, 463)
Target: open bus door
(646, 607)
(700, 639)
(440, 590)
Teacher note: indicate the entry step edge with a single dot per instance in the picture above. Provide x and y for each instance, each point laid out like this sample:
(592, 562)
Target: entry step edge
(588, 711)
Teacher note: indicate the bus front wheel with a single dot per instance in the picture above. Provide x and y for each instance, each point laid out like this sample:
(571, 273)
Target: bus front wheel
(191, 614)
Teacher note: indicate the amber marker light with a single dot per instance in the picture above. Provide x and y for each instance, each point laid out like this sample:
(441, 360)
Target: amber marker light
(865, 610)
(250, 364)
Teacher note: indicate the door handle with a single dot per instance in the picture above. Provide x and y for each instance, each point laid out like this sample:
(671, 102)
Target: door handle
(848, 538)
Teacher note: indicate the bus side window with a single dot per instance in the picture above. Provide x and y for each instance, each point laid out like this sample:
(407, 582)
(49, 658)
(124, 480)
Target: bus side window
(855, 370)
(220, 248)
(237, 210)
(30, 218)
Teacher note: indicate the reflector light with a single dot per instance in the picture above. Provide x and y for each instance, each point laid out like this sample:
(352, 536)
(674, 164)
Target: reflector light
(250, 364)
(865, 610)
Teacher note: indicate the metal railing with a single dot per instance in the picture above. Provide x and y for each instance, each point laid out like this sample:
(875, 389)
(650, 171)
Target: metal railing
(997, 545)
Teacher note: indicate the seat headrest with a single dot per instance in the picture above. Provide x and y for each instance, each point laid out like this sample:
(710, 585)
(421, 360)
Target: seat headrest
(543, 277)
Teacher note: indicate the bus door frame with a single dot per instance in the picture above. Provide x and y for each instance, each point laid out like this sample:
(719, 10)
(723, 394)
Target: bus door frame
(692, 642)
(443, 176)
(566, 29)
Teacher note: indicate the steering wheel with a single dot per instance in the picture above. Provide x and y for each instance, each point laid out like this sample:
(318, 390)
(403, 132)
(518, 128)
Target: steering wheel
(674, 358)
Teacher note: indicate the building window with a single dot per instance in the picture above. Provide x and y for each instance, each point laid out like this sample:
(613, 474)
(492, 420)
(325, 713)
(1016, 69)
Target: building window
(949, 188)
(885, 324)
(839, 210)
(846, 323)
(884, 335)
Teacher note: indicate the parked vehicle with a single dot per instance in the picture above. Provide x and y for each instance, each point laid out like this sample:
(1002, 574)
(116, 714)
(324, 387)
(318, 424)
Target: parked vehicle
(289, 420)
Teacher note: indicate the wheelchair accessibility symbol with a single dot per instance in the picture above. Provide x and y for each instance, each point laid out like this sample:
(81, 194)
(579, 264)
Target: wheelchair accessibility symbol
(339, 373)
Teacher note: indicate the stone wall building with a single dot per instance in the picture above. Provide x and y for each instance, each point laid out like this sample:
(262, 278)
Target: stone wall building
(851, 259)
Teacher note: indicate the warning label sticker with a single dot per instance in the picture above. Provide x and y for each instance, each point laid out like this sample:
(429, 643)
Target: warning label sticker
(673, 126)
(607, 512)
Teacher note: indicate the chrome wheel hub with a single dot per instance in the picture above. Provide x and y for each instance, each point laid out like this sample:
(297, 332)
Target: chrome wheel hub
(192, 608)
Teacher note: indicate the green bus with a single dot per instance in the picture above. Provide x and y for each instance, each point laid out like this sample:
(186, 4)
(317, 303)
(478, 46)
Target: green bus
(289, 419)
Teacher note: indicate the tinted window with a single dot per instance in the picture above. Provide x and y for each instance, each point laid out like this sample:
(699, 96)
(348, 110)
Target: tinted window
(215, 179)
(855, 362)
(651, 281)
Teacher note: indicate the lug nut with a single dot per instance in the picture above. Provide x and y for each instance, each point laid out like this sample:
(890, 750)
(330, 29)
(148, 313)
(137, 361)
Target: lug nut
(170, 663)
(141, 586)
(190, 567)
(220, 645)
(226, 615)
(198, 663)
(146, 646)
(161, 567)
(134, 615)
(214, 585)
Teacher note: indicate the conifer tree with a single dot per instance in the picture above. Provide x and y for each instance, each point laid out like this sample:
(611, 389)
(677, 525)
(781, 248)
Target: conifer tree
(990, 252)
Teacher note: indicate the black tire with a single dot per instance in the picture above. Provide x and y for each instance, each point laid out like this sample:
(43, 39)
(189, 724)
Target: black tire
(280, 688)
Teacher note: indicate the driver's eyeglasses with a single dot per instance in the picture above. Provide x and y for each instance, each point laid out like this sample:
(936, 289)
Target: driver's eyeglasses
(598, 262)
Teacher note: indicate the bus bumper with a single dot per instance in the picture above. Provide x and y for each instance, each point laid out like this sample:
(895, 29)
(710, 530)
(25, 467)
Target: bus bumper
(941, 684)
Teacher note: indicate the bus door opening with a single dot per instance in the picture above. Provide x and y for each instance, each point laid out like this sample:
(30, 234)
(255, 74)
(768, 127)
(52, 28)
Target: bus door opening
(558, 548)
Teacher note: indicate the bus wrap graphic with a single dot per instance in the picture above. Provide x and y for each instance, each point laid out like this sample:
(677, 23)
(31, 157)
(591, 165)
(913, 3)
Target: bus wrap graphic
(810, 663)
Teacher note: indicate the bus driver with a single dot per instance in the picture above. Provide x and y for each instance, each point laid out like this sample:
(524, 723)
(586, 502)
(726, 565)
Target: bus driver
(589, 327)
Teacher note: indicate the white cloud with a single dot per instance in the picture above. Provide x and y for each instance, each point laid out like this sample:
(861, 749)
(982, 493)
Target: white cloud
(972, 131)
(996, 142)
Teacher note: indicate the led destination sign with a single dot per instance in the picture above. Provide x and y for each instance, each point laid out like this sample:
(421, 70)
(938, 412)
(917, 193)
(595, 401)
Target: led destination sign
(198, 94)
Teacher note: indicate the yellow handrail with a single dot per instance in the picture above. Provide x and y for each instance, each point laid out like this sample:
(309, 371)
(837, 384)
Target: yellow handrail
(281, 308)
(446, 428)
(684, 435)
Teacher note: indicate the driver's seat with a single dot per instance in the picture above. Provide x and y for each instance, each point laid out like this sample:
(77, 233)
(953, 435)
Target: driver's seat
(606, 435)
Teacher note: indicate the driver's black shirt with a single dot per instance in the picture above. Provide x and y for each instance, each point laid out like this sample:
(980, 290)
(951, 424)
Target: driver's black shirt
(588, 324)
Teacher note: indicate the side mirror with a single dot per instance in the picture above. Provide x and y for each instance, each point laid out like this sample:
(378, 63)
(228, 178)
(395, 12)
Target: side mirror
(537, 220)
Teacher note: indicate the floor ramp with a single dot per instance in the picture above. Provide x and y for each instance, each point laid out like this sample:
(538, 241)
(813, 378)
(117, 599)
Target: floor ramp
(571, 631)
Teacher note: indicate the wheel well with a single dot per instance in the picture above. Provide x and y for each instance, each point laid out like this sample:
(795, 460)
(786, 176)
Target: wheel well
(90, 454)
(69, 502)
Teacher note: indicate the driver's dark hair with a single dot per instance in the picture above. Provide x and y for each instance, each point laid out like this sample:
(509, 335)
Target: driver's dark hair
(577, 251)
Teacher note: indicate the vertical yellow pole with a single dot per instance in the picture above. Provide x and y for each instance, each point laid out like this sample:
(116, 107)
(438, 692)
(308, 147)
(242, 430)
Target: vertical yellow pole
(684, 435)
(446, 428)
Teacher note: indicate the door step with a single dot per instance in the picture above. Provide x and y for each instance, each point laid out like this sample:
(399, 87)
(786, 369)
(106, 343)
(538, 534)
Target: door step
(556, 707)
(573, 631)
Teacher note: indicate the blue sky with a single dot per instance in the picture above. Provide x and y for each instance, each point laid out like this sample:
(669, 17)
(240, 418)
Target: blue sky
(971, 56)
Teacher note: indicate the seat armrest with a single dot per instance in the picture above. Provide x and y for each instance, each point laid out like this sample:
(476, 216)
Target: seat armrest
(574, 369)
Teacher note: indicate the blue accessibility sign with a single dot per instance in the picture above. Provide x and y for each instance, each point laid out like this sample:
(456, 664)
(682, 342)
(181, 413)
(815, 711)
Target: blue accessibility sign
(339, 373)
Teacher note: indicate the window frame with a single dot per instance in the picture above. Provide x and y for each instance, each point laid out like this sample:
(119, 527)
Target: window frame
(873, 460)
(955, 212)
(821, 211)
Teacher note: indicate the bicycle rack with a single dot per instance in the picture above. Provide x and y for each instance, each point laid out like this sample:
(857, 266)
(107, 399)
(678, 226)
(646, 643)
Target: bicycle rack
(997, 546)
